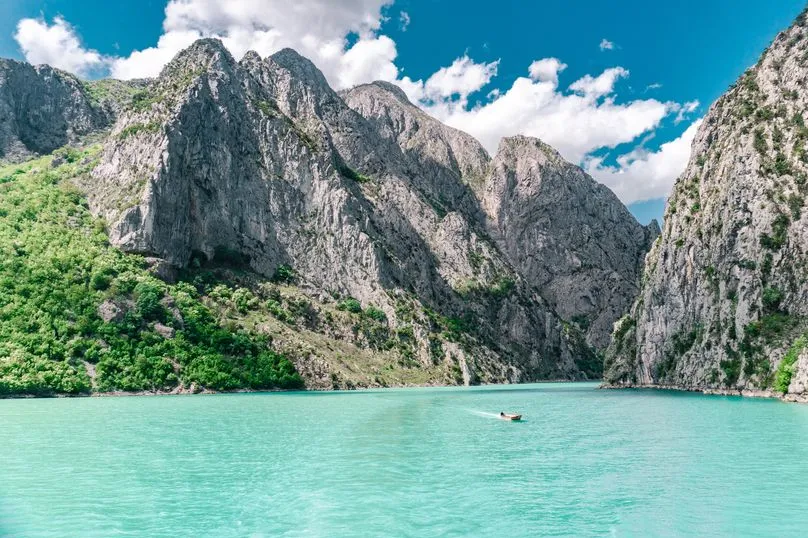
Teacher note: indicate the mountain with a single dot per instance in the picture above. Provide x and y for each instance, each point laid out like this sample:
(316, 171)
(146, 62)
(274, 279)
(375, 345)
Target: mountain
(351, 233)
(568, 236)
(723, 302)
(43, 109)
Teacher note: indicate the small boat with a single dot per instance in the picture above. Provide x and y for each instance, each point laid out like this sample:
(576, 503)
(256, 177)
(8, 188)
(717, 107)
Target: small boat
(510, 416)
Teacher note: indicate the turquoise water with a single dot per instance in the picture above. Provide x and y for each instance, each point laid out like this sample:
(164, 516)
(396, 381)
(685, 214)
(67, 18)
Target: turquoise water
(413, 462)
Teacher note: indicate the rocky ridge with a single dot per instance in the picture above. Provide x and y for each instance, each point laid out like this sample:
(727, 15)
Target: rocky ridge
(723, 301)
(384, 233)
(568, 236)
(42, 108)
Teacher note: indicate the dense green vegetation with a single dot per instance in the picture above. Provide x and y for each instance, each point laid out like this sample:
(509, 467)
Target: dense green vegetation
(785, 370)
(57, 268)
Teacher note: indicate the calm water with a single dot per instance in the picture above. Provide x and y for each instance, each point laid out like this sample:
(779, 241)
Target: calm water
(420, 462)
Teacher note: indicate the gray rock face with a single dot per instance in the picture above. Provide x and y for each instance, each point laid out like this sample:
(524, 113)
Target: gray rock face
(567, 235)
(259, 163)
(724, 296)
(42, 109)
(448, 164)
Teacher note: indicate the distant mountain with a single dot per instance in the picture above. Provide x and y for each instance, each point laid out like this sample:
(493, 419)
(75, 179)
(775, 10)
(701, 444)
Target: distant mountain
(723, 305)
(372, 244)
(43, 109)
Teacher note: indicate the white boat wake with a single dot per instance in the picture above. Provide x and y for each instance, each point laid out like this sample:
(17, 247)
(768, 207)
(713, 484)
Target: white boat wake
(483, 414)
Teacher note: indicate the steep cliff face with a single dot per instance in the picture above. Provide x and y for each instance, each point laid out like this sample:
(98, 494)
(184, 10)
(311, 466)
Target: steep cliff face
(723, 304)
(569, 237)
(450, 165)
(259, 164)
(42, 108)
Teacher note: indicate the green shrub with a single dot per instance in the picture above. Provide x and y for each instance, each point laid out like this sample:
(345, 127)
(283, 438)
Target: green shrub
(102, 278)
(785, 370)
(781, 164)
(759, 142)
(143, 100)
(70, 155)
(350, 305)
(771, 298)
(376, 313)
(284, 274)
(350, 173)
(624, 325)
(502, 287)
(138, 128)
(777, 239)
(732, 370)
(244, 300)
(147, 300)
(795, 203)
(582, 321)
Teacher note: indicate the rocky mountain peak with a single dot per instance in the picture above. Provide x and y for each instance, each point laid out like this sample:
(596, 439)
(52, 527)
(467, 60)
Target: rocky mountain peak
(426, 139)
(301, 69)
(569, 235)
(259, 165)
(42, 109)
(250, 57)
(392, 89)
(206, 54)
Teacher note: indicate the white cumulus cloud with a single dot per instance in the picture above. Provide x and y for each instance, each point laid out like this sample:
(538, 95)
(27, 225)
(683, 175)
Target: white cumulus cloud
(686, 109)
(546, 70)
(453, 83)
(576, 122)
(600, 85)
(642, 175)
(578, 119)
(317, 29)
(57, 45)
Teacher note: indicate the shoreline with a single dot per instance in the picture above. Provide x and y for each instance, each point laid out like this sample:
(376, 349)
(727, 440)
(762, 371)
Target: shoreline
(745, 393)
(710, 391)
(192, 392)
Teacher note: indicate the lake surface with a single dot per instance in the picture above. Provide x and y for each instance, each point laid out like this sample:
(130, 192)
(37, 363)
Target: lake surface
(409, 462)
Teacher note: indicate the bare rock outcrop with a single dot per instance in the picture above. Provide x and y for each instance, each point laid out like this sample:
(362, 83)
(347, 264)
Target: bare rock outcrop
(725, 301)
(42, 108)
(260, 164)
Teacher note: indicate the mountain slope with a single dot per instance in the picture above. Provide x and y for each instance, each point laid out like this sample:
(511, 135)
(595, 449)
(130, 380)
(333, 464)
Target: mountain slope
(42, 108)
(81, 316)
(568, 236)
(723, 305)
(260, 164)
(351, 234)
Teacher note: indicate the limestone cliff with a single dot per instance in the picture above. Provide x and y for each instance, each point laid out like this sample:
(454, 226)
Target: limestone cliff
(396, 240)
(568, 236)
(42, 108)
(723, 303)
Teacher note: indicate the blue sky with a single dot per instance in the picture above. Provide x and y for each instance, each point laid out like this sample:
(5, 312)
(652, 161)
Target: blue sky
(670, 53)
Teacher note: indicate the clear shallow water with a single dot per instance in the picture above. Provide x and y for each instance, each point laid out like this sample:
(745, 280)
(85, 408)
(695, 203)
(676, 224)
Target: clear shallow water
(414, 462)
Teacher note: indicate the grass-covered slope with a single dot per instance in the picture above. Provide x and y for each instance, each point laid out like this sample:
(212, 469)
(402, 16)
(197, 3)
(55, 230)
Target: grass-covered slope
(59, 276)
